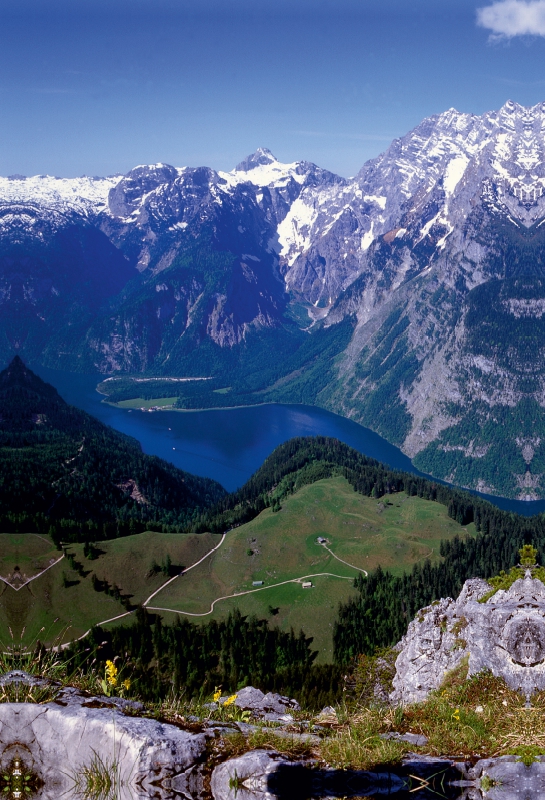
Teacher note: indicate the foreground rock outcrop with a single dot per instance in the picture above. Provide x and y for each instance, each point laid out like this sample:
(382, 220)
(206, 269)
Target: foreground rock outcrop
(505, 634)
(58, 741)
(264, 775)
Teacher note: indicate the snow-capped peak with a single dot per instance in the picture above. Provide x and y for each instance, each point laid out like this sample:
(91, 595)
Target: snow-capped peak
(262, 168)
(84, 195)
(260, 158)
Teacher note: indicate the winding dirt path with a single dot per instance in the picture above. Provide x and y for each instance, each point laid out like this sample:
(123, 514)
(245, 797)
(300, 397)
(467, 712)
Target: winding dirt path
(38, 575)
(145, 604)
(331, 553)
(251, 591)
(196, 564)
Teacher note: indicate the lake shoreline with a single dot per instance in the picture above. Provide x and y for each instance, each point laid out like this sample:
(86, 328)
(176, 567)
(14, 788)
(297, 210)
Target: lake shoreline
(489, 498)
(229, 443)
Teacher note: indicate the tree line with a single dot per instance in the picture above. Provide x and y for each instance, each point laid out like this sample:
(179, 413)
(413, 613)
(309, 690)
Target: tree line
(192, 660)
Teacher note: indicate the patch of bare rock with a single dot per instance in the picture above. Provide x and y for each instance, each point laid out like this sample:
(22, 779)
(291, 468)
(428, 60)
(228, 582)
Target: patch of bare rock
(505, 634)
(56, 741)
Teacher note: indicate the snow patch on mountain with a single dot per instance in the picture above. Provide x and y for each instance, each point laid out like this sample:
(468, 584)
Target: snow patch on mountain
(263, 169)
(294, 232)
(85, 195)
(454, 173)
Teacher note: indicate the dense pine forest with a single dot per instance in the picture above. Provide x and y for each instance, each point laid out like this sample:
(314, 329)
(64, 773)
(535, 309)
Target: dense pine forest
(247, 374)
(192, 660)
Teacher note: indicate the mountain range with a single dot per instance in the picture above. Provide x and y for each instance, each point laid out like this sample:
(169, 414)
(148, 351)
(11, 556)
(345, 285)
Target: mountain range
(410, 298)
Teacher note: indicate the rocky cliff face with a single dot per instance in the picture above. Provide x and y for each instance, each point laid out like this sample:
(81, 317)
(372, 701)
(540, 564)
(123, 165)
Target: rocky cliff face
(506, 635)
(436, 247)
(209, 236)
(448, 299)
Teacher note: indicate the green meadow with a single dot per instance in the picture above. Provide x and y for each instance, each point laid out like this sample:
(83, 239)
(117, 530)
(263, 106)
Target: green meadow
(279, 547)
(26, 553)
(142, 402)
(395, 532)
(52, 609)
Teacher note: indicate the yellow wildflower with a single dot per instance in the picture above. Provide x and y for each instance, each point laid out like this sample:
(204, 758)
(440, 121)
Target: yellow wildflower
(111, 673)
(230, 700)
(217, 695)
(127, 684)
(456, 715)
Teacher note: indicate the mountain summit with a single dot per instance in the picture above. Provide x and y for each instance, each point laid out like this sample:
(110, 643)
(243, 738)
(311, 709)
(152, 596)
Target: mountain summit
(260, 158)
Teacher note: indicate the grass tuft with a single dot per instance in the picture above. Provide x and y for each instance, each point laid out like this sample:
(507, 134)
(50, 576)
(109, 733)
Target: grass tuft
(99, 780)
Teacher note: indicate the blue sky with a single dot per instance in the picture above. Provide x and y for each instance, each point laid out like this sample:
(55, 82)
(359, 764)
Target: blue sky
(94, 87)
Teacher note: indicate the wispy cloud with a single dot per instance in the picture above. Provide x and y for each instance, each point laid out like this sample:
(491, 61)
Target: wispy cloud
(508, 18)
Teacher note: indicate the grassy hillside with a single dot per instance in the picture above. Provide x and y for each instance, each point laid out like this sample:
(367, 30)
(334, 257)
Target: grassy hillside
(274, 547)
(57, 603)
(27, 554)
(63, 600)
(128, 562)
(281, 546)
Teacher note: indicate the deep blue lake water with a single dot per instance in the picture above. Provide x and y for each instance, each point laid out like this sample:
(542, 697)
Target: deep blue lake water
(229, 445)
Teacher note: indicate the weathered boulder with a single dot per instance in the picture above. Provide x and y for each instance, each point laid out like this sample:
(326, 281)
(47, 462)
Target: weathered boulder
(507, 777)
(253, 775)
(58, 740)
(505, 634)
(259, 704)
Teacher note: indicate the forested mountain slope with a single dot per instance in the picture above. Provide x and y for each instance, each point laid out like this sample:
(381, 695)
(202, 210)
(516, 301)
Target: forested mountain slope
(60, 462)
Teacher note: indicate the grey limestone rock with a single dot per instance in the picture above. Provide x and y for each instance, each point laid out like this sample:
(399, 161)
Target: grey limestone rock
(505, 634)
(412, 738)
(259, 703)
(57, 741)
(71, 696)
(190, 783)
(509, 777)
(250, 773)
(306, 738)
(271, 716)
(19, 676)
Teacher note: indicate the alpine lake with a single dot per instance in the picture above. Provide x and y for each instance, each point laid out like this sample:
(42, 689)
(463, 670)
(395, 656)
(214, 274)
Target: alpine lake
(229, 445)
